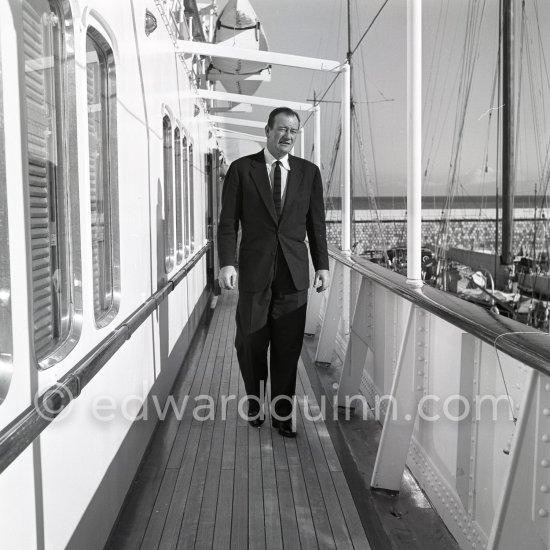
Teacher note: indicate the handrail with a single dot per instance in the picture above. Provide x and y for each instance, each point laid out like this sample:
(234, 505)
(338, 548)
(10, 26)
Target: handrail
(24, 429)
(515, 339)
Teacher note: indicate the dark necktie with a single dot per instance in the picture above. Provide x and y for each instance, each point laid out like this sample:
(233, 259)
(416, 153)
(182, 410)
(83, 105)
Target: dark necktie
(277, 188)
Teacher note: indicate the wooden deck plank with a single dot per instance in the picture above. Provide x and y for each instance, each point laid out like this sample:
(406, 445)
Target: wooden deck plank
(340, 532)
(319, 513)
(289, 527)
(205, 457)
(279, 452)
(190, 390)
(189, 525)
(292, 455)
(314, 410)
(134, 517)
(256, 526)
(224, 511)
(330, 497)
(132, 523)
(223, 484)
(353, 521)
(193, 428)
(157, 520)
(205, 532)
(272, 520)
(306, 529)
(207, 520)
(181, 492)
(239, 520)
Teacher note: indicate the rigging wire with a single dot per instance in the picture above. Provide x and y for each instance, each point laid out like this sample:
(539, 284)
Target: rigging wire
(469, 60)
(544, 81)
(494, 92)
(368, 116)
(368, 181)
(433, 72)
(368, 28)
(329, 202)
(328, 115)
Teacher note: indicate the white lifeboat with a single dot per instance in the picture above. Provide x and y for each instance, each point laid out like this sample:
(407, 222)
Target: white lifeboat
(238, 27)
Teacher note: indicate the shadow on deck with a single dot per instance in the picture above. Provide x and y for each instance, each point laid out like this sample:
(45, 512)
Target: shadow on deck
(220, 483)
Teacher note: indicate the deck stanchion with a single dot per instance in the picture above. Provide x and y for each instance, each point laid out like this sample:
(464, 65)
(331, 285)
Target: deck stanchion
(314, 302)
(524, 498)
(317, 136)
(414, 142)
(357, 349)
(345, 239)
(333, 314)
(406, 392)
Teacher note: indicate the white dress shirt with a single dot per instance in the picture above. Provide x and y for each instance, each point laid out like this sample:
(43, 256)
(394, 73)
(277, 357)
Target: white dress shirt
(285, 169)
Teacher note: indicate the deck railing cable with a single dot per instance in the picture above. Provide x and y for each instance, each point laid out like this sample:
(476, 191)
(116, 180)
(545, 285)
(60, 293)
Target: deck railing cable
(24, 429)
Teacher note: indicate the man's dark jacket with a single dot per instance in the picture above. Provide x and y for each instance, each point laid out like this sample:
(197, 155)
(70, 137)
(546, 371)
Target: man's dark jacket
(247, 197)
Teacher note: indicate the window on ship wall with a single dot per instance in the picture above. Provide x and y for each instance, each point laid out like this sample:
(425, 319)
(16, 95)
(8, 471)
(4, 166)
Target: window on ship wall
(52, 178)
(168, 161)
(103, 163)
(191, 200)
(6, 334)
(178, 185)
(186, 226)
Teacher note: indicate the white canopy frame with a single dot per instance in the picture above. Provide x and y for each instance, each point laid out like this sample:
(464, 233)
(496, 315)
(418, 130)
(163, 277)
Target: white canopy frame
(311, 63)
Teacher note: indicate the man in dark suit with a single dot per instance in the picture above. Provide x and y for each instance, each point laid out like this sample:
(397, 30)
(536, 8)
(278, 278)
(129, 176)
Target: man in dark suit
(276, 198)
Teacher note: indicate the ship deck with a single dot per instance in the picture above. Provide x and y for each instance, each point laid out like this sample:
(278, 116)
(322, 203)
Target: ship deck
(220, 483)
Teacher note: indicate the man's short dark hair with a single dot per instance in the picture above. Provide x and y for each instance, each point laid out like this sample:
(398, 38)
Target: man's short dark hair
(281, 110)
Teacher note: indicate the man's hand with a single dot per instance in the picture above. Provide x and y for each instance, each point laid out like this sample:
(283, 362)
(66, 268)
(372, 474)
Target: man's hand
(322, 279)
(227, 277)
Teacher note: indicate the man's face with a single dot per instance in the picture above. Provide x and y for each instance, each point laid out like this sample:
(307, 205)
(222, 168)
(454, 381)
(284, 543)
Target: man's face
(280, 138)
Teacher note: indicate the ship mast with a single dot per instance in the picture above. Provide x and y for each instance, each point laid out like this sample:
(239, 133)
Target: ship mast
(349, 55)
(508, 150)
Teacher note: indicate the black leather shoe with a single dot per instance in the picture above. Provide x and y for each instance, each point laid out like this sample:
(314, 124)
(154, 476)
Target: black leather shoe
(255, 419)
(284, 427)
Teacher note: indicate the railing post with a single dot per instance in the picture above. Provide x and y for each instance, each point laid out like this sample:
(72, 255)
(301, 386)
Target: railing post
(414, 142)
(346, 151)
(407, 390)
(357, 349)
(314, 303)
(333, 314)
(521, 517)
(317, 136)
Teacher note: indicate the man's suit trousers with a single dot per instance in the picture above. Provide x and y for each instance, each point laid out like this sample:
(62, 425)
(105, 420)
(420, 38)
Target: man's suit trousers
(275, 319)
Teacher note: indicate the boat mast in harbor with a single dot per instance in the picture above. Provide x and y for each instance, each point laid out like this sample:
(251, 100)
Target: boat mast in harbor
(508, 160)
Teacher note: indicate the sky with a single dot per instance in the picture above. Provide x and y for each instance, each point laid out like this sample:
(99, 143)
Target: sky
(318, 28)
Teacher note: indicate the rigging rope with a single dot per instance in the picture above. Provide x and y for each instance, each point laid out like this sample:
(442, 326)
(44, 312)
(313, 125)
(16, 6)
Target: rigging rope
(370, 191)
(469, 60)
(368, 28)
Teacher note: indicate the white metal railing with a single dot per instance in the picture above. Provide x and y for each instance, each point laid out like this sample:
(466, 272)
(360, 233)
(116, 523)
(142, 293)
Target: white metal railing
(463, 394)
(24, 429)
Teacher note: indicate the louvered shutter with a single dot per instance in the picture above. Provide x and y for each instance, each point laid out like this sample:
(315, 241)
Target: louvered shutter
(192, 197)
(177, 162)
(168, 195)
(94, 137)
(187, 241)
(40, 136)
